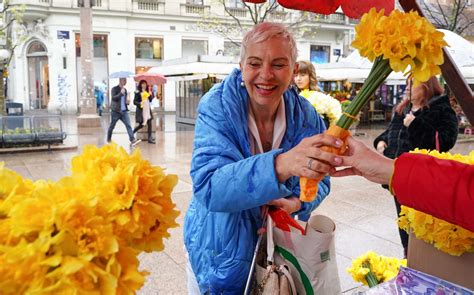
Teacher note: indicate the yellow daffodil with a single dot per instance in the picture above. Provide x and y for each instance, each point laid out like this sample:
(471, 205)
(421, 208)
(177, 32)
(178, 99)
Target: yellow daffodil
(82, 234)
(405, 39)
(372, 269)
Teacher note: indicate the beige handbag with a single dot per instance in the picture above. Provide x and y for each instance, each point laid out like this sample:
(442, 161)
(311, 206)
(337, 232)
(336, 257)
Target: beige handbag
(270, 278)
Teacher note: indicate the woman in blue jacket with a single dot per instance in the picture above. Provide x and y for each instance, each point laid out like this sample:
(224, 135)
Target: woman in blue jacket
(254, 138)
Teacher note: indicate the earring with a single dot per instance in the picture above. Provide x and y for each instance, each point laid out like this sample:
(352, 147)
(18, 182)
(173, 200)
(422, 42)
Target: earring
(242, 84)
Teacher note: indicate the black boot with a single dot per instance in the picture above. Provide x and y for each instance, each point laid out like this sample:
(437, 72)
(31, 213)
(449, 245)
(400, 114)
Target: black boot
(150, 137)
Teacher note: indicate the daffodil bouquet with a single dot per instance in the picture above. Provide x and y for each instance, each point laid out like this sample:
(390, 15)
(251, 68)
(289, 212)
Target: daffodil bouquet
(327, 106)
(82, 234)
(400, 42)
(371, 269)
(447, 237)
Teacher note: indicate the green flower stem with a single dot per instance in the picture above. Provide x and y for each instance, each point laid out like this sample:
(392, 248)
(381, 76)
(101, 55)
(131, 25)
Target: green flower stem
(371, 279)
(379, 72)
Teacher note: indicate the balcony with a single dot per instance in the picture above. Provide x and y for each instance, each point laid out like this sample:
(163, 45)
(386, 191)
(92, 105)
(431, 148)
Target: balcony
(336, 18)
(238, 12)
(34, 9)
(149, 6)
(195, 9)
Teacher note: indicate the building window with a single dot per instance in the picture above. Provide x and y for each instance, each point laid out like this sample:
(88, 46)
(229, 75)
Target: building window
(36, 47)
(99, 42)
(235, 3)
(231, 48)
(149, 48)
(319, 54)
(194, 47)
(100, 46)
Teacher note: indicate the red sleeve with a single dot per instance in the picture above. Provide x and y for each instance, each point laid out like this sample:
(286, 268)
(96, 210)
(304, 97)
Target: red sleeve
(442, 188)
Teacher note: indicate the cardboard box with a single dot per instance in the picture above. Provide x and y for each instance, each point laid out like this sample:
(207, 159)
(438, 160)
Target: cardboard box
(426, 258)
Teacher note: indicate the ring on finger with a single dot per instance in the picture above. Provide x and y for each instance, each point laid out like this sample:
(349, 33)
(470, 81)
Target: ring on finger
(310, 162)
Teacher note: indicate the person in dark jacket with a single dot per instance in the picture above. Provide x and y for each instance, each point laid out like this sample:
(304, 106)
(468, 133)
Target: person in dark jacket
(425, 120)
(143, 112)
(119, 110)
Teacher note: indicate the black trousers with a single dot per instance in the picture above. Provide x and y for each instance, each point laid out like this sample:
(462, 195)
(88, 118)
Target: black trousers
(403, 234)
(140, 126)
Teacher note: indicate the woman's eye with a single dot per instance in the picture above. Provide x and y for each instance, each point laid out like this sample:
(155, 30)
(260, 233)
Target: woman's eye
(254, 64)
(279, 66)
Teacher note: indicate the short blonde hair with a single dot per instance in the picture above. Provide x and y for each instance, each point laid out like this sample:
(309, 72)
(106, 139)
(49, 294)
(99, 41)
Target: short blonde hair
(264, 31)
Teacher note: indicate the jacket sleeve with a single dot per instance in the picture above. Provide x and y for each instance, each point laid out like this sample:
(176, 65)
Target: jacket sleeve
(116, 93)
(223, 180)
(422, 130)
(382, 137)
(442, 188)
(137, 100)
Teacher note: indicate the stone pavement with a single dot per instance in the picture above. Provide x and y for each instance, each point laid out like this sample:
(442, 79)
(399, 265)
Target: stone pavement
(364, 212)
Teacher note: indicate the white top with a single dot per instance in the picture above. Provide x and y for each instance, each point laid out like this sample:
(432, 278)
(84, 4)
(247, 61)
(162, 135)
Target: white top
(279, 129)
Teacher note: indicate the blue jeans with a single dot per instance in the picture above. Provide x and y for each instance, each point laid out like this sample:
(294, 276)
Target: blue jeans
(122, 116)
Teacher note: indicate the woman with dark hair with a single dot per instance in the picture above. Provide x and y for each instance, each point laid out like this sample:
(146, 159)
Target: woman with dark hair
(143, 112)
(424, 119)
(327, 107)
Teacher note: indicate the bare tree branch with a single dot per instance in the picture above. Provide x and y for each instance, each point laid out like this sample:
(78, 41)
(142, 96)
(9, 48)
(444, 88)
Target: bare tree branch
(229, 13)
(454, 17)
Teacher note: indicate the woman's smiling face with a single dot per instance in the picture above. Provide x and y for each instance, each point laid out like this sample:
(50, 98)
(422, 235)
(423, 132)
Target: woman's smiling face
(267, 70)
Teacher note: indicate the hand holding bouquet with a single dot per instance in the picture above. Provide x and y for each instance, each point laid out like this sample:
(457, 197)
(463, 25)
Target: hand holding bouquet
(393, 43)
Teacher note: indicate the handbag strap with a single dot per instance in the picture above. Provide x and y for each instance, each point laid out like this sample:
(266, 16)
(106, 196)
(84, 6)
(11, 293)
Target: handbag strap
(287, 274)
(270, 242)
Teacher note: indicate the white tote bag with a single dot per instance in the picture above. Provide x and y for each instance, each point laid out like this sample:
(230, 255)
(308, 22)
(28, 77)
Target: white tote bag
(311, 257)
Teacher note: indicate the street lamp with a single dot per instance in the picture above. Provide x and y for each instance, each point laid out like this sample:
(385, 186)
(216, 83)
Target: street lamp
(4, 55)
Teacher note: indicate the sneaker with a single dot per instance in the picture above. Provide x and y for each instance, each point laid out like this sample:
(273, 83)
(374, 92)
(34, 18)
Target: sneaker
(151, 140)
(135, 142)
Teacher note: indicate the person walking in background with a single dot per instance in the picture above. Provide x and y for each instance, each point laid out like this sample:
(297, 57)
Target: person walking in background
(143, 112)
(119, 110)
(99, 99)
(424, 119)
(327, 107)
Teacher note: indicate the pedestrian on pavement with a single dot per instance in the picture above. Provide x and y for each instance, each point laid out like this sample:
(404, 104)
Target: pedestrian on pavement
(424, 119)
(442, 188)
(143, 112)
(254, 137)
(119, 110)
(99, 99)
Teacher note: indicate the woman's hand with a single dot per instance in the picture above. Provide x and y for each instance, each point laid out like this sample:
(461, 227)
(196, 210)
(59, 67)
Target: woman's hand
(381, 146)
(365, 162)
(408, 119)
(290, 205)
(307, 159)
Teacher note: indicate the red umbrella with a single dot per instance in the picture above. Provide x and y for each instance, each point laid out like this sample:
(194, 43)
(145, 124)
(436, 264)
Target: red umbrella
(351, 8)
(150, 78)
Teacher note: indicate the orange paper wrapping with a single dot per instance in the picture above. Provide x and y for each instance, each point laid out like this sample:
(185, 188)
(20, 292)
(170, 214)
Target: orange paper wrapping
(308, 186)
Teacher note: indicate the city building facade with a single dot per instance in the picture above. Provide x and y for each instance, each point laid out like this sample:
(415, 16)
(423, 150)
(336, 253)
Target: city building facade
(136, 35)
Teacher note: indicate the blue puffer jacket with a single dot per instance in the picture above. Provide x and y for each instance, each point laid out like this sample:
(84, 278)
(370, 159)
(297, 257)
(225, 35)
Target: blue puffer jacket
(230, 185)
